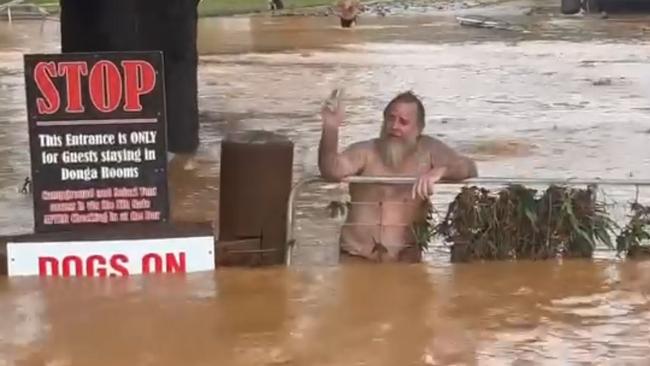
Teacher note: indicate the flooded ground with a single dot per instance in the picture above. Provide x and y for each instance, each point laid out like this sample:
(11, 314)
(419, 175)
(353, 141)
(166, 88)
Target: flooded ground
(559, 97)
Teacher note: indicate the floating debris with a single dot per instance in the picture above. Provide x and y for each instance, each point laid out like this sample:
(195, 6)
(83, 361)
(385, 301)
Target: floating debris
(383, 8)
(26, 187)
(338, 209)
(478, 21)
(602, 82)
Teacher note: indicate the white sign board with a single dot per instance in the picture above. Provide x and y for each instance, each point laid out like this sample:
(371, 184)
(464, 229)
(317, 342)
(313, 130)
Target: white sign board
(111, 257)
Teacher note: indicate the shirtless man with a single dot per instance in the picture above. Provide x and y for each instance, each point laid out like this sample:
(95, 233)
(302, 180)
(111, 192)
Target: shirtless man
(347, 10)
(378, 224)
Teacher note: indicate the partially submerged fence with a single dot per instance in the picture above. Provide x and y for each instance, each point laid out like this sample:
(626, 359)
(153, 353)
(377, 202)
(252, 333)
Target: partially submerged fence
(18, 10)
(626, 188)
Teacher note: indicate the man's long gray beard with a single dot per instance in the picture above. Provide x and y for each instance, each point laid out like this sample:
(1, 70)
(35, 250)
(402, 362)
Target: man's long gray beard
(394, 151)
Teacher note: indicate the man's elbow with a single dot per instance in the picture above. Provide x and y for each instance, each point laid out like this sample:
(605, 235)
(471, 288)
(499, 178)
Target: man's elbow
(332, 177)
(330, 174)
(464, 170)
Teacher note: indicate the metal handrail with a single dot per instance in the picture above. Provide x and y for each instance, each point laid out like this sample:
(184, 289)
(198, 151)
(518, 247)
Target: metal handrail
(502, 180)
(290, 240)
(8, 5)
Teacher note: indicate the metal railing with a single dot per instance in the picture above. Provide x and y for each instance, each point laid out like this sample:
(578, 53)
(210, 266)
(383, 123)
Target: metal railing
(290, 239)
(35, 11)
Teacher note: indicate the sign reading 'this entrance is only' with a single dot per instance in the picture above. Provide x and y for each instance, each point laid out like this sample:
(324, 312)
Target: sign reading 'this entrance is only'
(97, 130)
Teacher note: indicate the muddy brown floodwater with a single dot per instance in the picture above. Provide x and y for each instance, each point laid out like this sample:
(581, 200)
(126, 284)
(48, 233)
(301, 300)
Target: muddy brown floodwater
(560, 97)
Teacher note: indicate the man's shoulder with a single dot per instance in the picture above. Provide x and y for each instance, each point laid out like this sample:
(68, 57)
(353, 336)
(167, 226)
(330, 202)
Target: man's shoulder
(430, 141)
(436, 146)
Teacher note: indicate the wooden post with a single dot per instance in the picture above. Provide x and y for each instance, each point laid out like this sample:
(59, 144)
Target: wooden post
(256, 178)
(144, 25)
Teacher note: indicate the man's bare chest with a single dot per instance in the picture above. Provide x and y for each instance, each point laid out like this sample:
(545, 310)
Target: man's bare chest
(414, 165)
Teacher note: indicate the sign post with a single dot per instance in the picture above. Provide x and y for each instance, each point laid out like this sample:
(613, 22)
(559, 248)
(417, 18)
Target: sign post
(98, 143)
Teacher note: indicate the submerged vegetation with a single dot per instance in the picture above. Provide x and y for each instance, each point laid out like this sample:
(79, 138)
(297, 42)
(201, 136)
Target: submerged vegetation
(630, 240)
(424, 228)
(521, 223)
(517, 222)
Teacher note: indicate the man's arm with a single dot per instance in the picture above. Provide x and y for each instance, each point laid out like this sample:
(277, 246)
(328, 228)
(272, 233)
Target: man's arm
(446, 164)
(334, 165)
(457, 167)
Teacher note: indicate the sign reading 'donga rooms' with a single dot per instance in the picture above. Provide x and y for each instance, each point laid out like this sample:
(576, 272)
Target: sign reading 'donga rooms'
(97, 130)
